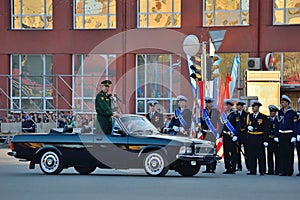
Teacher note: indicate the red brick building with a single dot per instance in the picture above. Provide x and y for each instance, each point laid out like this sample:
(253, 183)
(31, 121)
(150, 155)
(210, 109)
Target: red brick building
(54, 53)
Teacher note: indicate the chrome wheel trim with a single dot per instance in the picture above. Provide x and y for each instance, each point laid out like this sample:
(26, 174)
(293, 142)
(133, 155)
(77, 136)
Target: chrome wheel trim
(154, 163)
(49, 162)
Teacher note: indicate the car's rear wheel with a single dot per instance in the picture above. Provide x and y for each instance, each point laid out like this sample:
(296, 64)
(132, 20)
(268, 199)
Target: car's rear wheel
(155, 164)
(188, 170)
(84, 170)
(50, 163)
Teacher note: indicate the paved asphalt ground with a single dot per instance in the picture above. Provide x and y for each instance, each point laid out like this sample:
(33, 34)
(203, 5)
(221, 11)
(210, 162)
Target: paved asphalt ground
(17, 182)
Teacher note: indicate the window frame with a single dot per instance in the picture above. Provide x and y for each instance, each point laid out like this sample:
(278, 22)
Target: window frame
(172, 100)
(83, 15)
(45, 16)
(213, 12)
(82, 98)
(44, 98)
(147, 13)
(285, 9)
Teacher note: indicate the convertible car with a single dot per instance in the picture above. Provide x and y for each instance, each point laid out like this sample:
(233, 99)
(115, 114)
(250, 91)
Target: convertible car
(133, 143)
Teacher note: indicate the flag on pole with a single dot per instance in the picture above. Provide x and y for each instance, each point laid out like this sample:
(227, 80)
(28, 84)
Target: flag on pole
(234, 75)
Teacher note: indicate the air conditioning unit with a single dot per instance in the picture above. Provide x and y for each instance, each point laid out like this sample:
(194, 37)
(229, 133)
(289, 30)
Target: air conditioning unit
(254, 63)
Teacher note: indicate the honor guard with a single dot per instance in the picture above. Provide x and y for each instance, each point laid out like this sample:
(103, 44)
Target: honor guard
(210, 122)
(272, 146)
(242, 135)
(155, 117)
(285, 135)
(229, 132)
(298, 137)
(257, 129)
(181, 122)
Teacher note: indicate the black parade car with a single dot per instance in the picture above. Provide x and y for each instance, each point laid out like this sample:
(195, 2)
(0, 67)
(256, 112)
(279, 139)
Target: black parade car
(134, 143)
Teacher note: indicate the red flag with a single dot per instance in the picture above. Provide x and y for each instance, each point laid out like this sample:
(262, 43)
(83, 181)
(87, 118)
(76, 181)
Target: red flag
(201, 89)
(222, 94)
(227, 86)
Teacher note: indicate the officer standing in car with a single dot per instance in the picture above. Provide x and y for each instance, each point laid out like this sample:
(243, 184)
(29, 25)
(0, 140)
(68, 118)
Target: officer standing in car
(257, 130)
(104, 109)
(285, 135)
(272, 146)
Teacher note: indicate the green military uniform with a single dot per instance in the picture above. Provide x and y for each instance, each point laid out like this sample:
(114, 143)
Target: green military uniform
(104, 113)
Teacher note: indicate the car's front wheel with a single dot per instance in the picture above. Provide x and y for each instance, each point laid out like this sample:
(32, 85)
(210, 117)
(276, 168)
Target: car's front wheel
(84, 170)
(155, 164)
(188, 170)
(50, 163)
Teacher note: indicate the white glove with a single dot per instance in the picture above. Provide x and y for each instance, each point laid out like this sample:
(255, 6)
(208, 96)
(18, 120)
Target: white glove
(266, 144)
(293, 139)
(234, 138)
(250, 128)
(181, 129)
(220, 139)
(276, 139)
(298, 138)
(176, 128)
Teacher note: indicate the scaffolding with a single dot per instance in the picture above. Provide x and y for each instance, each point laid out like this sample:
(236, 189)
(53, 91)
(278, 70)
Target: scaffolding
(57, 94)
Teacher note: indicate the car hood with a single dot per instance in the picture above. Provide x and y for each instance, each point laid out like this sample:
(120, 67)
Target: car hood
(180, 139)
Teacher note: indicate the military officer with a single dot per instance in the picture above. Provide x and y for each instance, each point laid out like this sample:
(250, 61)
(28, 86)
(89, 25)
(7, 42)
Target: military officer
(242, 135)
(298, 137)
(181, 122)
(229, 132)
(257, 129)
(272, 146)
(104, 109)
(285, 135)
(211, 121)
(155, 117)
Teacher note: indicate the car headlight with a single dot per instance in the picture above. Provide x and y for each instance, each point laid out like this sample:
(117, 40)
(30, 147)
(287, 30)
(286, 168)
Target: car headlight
(185, 150)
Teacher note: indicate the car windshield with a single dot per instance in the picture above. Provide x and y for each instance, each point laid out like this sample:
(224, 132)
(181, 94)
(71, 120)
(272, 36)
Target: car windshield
(138, 125)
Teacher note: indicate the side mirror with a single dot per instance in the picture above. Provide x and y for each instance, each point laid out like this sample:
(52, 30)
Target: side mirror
(117, 132)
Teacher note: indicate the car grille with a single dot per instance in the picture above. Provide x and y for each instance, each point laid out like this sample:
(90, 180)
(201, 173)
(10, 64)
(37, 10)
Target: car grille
(204, 149)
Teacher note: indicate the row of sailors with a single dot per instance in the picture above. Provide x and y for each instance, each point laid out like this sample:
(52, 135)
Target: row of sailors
(279, 133)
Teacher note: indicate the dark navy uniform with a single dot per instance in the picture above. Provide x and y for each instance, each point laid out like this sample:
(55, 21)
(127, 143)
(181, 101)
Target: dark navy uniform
(156, 118)
(256, 138)
(285, 130)
(177, 126)
(272, 148)
(230, 146)
(242, 139)
(214, 116)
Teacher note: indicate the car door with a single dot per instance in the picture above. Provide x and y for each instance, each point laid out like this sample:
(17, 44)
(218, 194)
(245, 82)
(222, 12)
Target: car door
(112, 149)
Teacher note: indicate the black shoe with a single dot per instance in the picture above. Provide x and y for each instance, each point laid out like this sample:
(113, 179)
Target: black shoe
(251, 173)
(206, 171)
(229, 172)
(262, 174)
(282, 174)
(270, 173)
(298, 174)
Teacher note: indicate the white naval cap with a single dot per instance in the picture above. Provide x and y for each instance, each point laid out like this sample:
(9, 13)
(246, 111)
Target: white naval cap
(286, 98)
(182, 98)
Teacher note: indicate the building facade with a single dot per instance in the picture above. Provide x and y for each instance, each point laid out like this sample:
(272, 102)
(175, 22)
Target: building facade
(54, 53)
